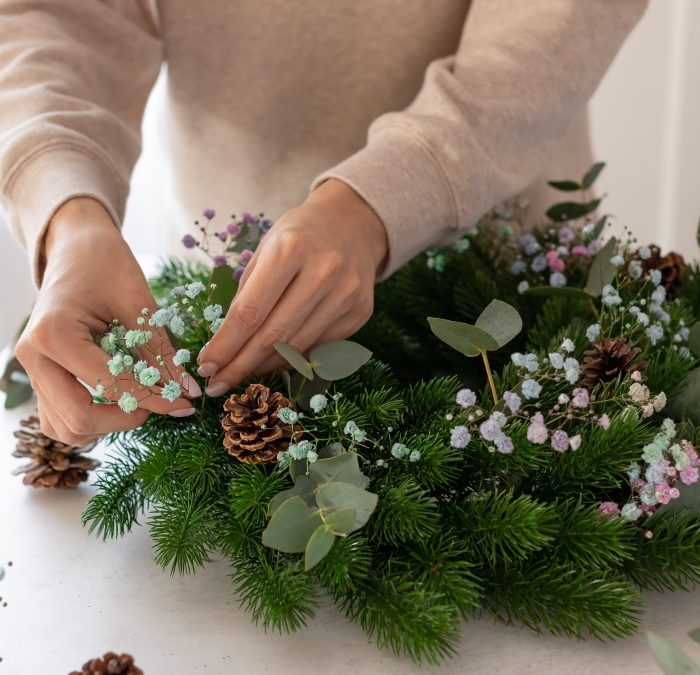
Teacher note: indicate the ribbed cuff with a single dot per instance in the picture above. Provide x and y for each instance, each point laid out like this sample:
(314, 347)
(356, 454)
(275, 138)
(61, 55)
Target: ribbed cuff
(400, 178)
(47, 180)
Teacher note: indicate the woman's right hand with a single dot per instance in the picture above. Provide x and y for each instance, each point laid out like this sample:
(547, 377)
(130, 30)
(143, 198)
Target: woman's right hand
(91, 277)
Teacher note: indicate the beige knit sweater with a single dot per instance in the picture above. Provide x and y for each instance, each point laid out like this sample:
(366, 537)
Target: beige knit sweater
(433, 110)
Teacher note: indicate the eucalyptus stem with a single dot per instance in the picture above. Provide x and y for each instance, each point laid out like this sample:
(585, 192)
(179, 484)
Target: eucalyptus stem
(300, 388)
(489, 375)
(594, 309)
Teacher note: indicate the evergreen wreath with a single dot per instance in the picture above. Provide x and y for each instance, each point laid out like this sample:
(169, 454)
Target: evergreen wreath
(445, 475)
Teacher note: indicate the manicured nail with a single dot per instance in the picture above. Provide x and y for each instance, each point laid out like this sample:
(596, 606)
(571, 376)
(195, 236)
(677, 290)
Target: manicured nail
(217, 388)
(201, 351)
(185, 412)
(193, 388)
(207, 369)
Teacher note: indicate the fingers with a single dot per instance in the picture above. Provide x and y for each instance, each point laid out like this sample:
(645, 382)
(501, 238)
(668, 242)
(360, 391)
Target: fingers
(75, 352)
(271, 275)
(69, 408)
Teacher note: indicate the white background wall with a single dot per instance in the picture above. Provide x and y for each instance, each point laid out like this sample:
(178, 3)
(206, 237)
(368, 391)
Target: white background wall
(646, 126)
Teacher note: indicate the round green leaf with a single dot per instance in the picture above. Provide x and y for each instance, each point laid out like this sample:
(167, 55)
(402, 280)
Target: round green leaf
(465, 338)
(291, 526)
(342, 468)
(339, 496)
(320, 543)
(338, 359)
(303, 488)
(501, 321)
(602, 271)
(341, 522)
(295, 359)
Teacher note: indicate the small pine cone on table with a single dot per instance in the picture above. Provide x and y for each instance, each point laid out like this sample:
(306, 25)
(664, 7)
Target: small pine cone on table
(53, 464)
(605, 361)
(254, 433)
(110, 664)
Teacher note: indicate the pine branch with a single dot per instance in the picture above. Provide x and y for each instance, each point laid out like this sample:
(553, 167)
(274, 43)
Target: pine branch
(276, 592)
(119, 500)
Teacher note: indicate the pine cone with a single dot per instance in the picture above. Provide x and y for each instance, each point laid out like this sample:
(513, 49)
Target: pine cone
(672, 266)
(53, 464)
(605, 361)
(253, 431)
(110, 664)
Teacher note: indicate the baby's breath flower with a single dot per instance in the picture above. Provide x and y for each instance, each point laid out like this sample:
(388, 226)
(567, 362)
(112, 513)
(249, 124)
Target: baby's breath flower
(399, 450)
(287, 415)
(171, 391)
(351, 429)
(141, 321)
(116, 364)
(523, 286)
(415, 456)
(149, 376)
(109, 343)
(177, 326)
(617, 261)
(100, 389)
(644, 252)
(593, 332)
(531, 389)
(194, 289)
(162, 317)
(212, 312)
(318, 402)
(631, 512)
(557, 279)
(181, 357)
(127, 402)
(460, 437)
(568, 345)
(137, 338)
(215, 325)
(466, 398)
(655, 277)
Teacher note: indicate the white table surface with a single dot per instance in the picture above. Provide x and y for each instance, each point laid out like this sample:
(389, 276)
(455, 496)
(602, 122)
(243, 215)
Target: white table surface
(71, 597)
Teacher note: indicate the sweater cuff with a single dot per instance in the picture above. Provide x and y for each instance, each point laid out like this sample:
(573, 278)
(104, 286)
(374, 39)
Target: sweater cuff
(46, 181)
(400, 178)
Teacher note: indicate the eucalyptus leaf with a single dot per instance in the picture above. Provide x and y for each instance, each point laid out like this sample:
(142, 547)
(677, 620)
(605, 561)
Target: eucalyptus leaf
(303, 389)
(557, 292)
(686, 404)
(571, 210)
(17, 393)
(342, 521)
(225, 289)
(465, 338)
(303, 488)
(695, 634)
(344, 468)
(287, 382)
(320, 544)
(341, 496)
(501, 321)
(599, 227)
(338, 359)
(291, 526)
(295, 359)
(331, 450)
(671, 659)
(602, 271)
(694, 338)
(564, 185)
(592, 175)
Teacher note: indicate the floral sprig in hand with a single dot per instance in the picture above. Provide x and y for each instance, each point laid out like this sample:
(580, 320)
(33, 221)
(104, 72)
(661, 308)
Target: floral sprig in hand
(141, 356)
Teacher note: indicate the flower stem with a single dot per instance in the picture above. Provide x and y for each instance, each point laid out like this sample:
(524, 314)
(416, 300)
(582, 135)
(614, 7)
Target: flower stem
(300, 388)
(594, 309)
(489, 375)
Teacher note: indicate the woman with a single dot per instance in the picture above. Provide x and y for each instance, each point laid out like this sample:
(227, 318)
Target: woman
(466, 105)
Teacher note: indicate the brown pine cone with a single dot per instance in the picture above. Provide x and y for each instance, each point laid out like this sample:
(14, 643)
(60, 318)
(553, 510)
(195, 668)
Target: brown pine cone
(605, 361)
(253, 431)
(53, 464)
(672, 266)
(110, 664)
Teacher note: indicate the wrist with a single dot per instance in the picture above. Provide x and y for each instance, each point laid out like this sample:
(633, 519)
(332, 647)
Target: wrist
(79, 219)
(345, 206)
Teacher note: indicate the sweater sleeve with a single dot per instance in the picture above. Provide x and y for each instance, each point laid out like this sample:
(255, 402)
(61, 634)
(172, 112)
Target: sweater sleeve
(74, 80)
(486, 118)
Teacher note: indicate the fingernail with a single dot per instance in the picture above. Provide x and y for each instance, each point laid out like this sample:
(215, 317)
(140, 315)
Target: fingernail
(207, 369)
(185, 412)
(201, 351)
(217, 388)
(193, 388)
